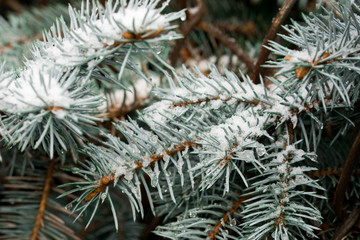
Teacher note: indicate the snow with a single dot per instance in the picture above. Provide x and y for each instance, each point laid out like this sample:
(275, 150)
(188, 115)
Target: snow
(282, 168)
(89, 38)
(284, 112)
(142, 89)
(119, 171)
(247, 155)
(296, 153)
(303, 56)
(36, 88)
(203, 65)
(140, 18)
(59, 113)
(129, 175)
(242, 128)
(296, 170)
(224, 60)
(216, 104)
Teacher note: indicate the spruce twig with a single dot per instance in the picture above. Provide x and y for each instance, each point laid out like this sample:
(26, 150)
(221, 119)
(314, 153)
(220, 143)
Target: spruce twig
(247, 28)
(225, 218)
(148, 230)
(274, 28)
(107, 180)
(228, 42)
(343, 229)
(329, 173)
(194, 19)
(345, 176)
(44, 198)
(14, 5)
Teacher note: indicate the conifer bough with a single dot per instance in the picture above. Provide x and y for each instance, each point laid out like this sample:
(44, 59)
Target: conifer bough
(217, 157)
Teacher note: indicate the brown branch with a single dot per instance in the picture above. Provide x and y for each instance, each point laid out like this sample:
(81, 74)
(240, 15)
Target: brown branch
(14, 5)
(225, 217)
(274, 28)
(24, 178)
(329, 173)
(343, 229)
(290, 131)
(19, 41)
(43, 201)
(121, 234)
(150, 228)
(181, 4)
(21, 186)
(106, 180)
(5, 48)
(58, 224)
(42, 3)
(345, 176)
(185, 30)
(228, 42)
(246, 28)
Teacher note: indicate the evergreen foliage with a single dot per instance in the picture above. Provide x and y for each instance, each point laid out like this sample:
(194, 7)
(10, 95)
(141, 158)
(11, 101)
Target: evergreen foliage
(213, 155)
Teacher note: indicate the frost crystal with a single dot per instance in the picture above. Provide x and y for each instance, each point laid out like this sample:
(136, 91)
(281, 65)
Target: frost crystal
(129, 175)
(192, 213)
(261, 151)
(166, 158)
(154, 139)
(103, 196)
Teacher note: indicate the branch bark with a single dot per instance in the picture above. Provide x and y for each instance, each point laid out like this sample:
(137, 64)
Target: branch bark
(185, 31)
(43, 201)
(343, 229)
(345, 176)
(14, 5)
(274, 28)
(228, 42)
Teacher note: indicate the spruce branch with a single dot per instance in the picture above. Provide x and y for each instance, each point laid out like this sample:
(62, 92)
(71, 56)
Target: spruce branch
(44, 200)
(220, 145)
(44, 107)
(107, 180)
(126, 168)
(228, 42)
(246, 28)
(342, 230)
(274, 28)
(48, 115)
(279, 215)
(225, 218)
(193, 20)
(346, 173)
(108, 28)
(330, 173)
(14, 5)
(28, 208)
(20, 31)
(215, 156)
(201, 221)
